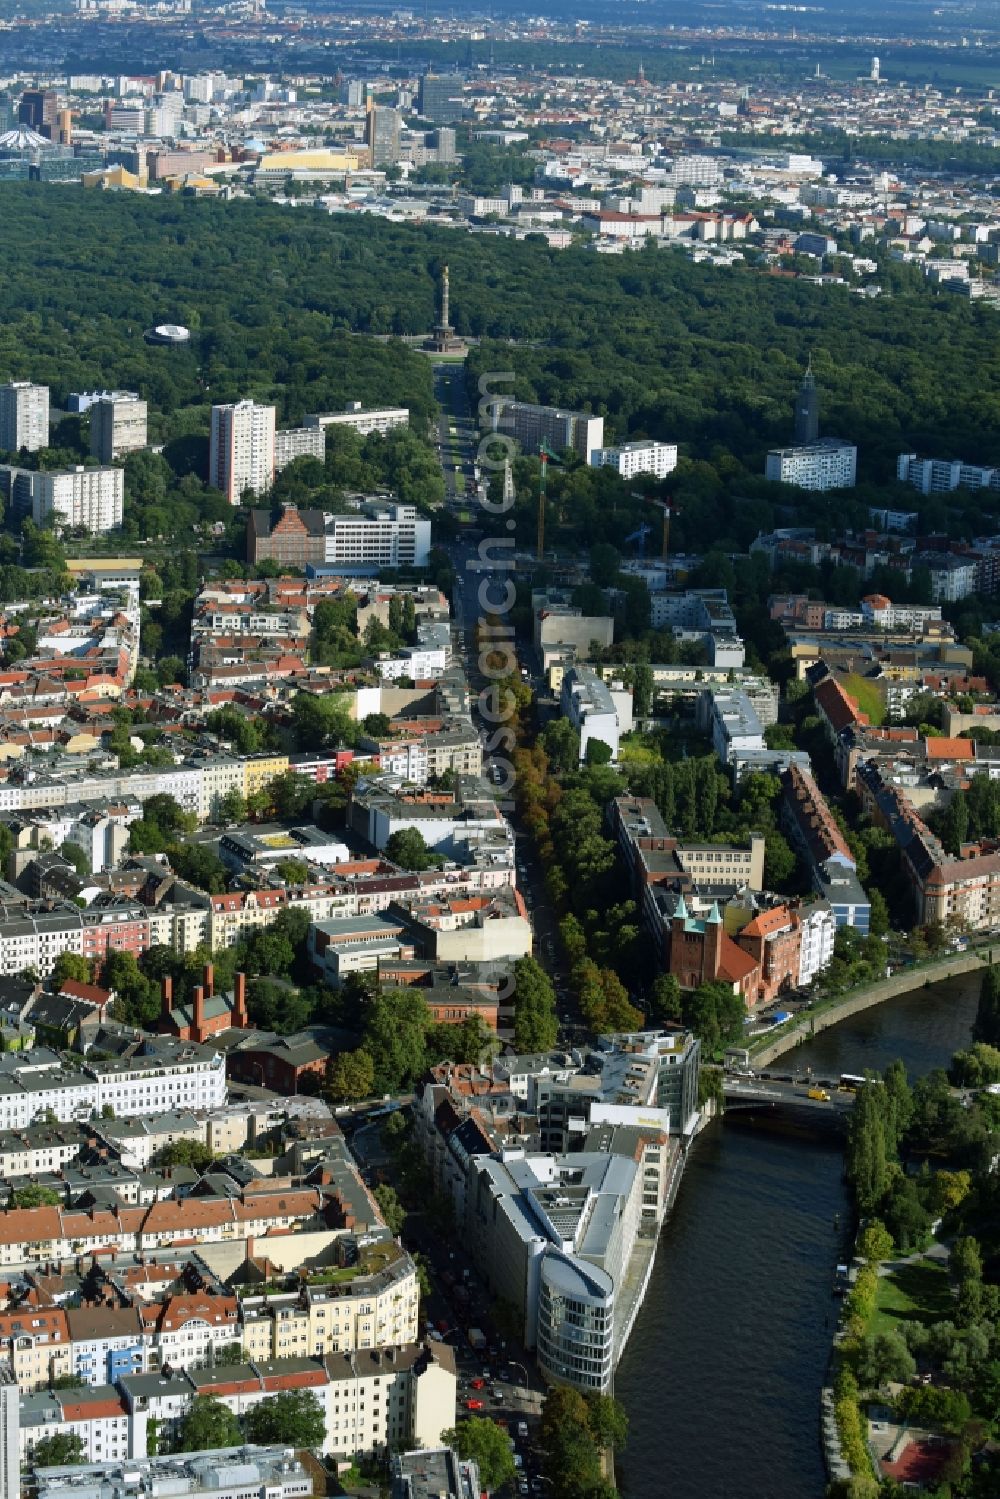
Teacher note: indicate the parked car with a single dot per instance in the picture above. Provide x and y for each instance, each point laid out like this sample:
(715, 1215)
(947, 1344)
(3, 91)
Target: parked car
(474, 1405)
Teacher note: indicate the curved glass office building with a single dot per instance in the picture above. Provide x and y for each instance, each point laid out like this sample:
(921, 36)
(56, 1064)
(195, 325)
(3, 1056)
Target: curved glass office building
(576, 1322)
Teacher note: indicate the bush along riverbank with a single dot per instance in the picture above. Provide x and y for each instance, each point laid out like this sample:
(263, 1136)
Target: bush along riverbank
(916, 1362)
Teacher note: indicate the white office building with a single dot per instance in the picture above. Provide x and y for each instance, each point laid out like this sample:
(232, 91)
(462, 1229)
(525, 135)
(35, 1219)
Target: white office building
(117, 426)
(380, 419)
(380, 535)
(826, 464)
(230, 1473)
(89, 499)
(242, 449)
(588, 704)
(24, 416)
(656, 458)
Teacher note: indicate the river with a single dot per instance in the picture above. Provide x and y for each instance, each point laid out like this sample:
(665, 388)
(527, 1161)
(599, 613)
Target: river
(722, 1374)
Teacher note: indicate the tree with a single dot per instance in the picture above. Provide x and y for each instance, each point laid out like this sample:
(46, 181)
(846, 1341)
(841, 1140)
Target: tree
(488, 1445)
(391, 1208)
(876, 1242)
(536, 1025)
(232, 807)
(884, 1358)
(61, 1449)
(408, 848)
(208, 1424)
(598, 753)
(878, 921)
(292, 871)
(291, 794)
(608, 1421)
(395, 1037)
(352, 1076)
(35, 1196)
(987, 1023)
(191, 1153)
(779, 861)
(292, 1419)
(225, 1355)
(70, 965)
(74, 854)
(664, 1003)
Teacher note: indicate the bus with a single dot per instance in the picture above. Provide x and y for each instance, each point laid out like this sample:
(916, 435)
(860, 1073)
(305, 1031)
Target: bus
(850, 1082)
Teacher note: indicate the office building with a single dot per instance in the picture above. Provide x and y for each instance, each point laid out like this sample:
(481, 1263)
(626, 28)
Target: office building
(88, 499)
(441, 97)
(298, 442)
(445, 143)
(24, 417)
(592, 710)
(381, 419)
(656, 458)
(227, 1473)
(532, 425)
(39, 110)
(807, 411)
(826, 464)
(241, 457)
(117, 426)
(382, 135)
(380, 535)
(429, 1474)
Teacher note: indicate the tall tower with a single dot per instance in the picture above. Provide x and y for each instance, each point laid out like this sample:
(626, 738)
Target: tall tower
(876, 70)
(10, 1423)
(444, 339)
(444, 325)
(241, 454)
(807, 410)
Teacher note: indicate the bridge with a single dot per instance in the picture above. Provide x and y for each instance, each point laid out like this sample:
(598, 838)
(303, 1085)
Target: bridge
(746, 1094)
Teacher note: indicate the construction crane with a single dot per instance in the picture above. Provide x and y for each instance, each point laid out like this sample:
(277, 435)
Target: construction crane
(640, 536)
(545, 457)
(668, 507)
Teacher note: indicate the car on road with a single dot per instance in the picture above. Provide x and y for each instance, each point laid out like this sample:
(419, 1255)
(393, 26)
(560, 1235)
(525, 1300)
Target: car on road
(475, 1405)
(522, 1430)
(478, 1384)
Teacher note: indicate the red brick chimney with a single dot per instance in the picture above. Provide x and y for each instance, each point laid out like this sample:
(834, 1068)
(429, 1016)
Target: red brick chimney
(198, 1028)
(241, 1019)
(167, 996)
(208, 979)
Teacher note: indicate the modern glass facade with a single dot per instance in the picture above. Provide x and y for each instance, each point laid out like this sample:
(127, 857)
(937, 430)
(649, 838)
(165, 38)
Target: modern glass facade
(576, 1323)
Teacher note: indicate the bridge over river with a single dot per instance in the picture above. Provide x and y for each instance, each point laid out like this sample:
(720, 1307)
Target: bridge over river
(757, 1094)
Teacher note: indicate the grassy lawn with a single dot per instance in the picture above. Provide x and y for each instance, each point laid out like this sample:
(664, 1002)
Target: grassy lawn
(914, 1293)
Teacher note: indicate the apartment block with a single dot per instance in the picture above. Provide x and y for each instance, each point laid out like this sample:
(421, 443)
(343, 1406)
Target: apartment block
(24, 417)
(942, 475)
(117, 426)
(380, 419)
(88, 499)
(657, 459)
(298, 442)
(241, 454)
(828, 463)
(532, 425)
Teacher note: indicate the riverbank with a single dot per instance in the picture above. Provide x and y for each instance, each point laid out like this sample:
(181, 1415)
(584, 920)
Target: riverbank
(766, 1049)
